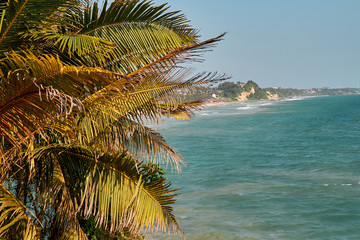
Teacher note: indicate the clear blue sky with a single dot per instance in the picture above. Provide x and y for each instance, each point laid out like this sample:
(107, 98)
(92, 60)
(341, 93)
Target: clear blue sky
(286, 43)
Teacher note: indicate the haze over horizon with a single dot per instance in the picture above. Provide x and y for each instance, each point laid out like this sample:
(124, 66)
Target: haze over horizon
(298, 44)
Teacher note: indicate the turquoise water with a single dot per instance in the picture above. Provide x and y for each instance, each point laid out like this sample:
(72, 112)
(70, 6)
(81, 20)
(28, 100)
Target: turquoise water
(270, 170)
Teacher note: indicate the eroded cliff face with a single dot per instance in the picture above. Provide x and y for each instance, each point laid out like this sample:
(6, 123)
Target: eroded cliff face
(244, 96)
(272, 96)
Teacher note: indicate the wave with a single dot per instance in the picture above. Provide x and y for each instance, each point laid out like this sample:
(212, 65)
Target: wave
(297, 98)
(245, 108)
(207, 113)
(254, 106)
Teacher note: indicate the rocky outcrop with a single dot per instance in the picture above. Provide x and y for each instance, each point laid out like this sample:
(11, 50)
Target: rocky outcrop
(272, 96)
(244, 95)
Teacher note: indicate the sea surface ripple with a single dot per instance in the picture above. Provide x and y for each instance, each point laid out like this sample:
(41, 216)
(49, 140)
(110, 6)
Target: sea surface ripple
(270, 170)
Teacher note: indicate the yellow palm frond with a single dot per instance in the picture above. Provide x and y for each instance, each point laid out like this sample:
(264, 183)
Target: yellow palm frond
(140, 141)
(114, 119)
(112, 191)
(146, 98)
(184, 110)
(13, 216)
(75, 111)
(161, 66)
(36, 90)
(115, 190)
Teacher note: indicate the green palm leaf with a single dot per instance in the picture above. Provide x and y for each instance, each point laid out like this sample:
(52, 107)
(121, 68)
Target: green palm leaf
(137, 11)
(161, 65)
(141, 33)
(19, 15)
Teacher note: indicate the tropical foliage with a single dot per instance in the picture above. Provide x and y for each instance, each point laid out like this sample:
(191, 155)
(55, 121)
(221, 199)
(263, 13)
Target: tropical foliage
(80, 84)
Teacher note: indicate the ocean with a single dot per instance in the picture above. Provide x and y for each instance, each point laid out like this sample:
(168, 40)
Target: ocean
(269, 170)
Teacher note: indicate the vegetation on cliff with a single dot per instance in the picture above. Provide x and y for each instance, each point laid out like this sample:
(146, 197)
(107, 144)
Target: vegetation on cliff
(250, 91)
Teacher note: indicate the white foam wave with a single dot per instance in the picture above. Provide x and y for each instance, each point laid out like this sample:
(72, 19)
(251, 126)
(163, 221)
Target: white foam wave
(207, 113)
(254, 106)
(245, 108)
(294, 99)
(266, 103)
(342, 184)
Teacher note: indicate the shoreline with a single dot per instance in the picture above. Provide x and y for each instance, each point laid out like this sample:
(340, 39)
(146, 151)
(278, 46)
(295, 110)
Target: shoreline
(210, 104)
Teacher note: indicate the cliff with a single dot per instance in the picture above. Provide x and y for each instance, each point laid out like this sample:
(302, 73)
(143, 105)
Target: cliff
(250, 91)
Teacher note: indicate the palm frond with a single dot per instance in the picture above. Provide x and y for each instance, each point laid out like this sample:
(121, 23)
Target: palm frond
(136, 46)
(19, 15)
(184, 110)
(141, 32)
(13, 216)
(115, 191)
(36, 90)
(48, 70)
(164, 64)
(145, 99)
(116, 120)
(140, 141)
(135, 11)
(53, 189)
(72, 43)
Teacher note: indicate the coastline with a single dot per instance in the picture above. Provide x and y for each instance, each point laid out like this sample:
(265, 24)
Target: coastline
(218, 103)
(210, 104)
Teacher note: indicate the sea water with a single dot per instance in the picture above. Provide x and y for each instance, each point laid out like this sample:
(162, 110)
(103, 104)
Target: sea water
(270, 170)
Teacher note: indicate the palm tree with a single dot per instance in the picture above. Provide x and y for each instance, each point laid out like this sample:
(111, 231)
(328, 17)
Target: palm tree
(80, 85)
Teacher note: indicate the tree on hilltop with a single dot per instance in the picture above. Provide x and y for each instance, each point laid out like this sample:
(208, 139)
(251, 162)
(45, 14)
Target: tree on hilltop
(230, 89)
(258, 94)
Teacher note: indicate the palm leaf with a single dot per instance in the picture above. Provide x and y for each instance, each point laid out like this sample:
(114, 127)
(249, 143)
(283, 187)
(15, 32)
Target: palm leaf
(13, 216)
(184, 110)
(163, 64)
(19, 15)
(115, 189)
(114, 120)
(141, 33)
(145, 99)
(54, 192)
(72, 43)
(140, 141)
(135, 11)
(39, 89)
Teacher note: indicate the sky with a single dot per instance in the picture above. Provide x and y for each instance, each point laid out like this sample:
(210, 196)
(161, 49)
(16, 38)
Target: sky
(280, 43)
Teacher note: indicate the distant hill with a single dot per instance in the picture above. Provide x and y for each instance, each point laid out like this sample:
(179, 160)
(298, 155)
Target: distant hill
(250, 91)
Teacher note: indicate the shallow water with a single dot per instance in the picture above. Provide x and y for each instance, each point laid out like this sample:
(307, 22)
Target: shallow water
(270, 170)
